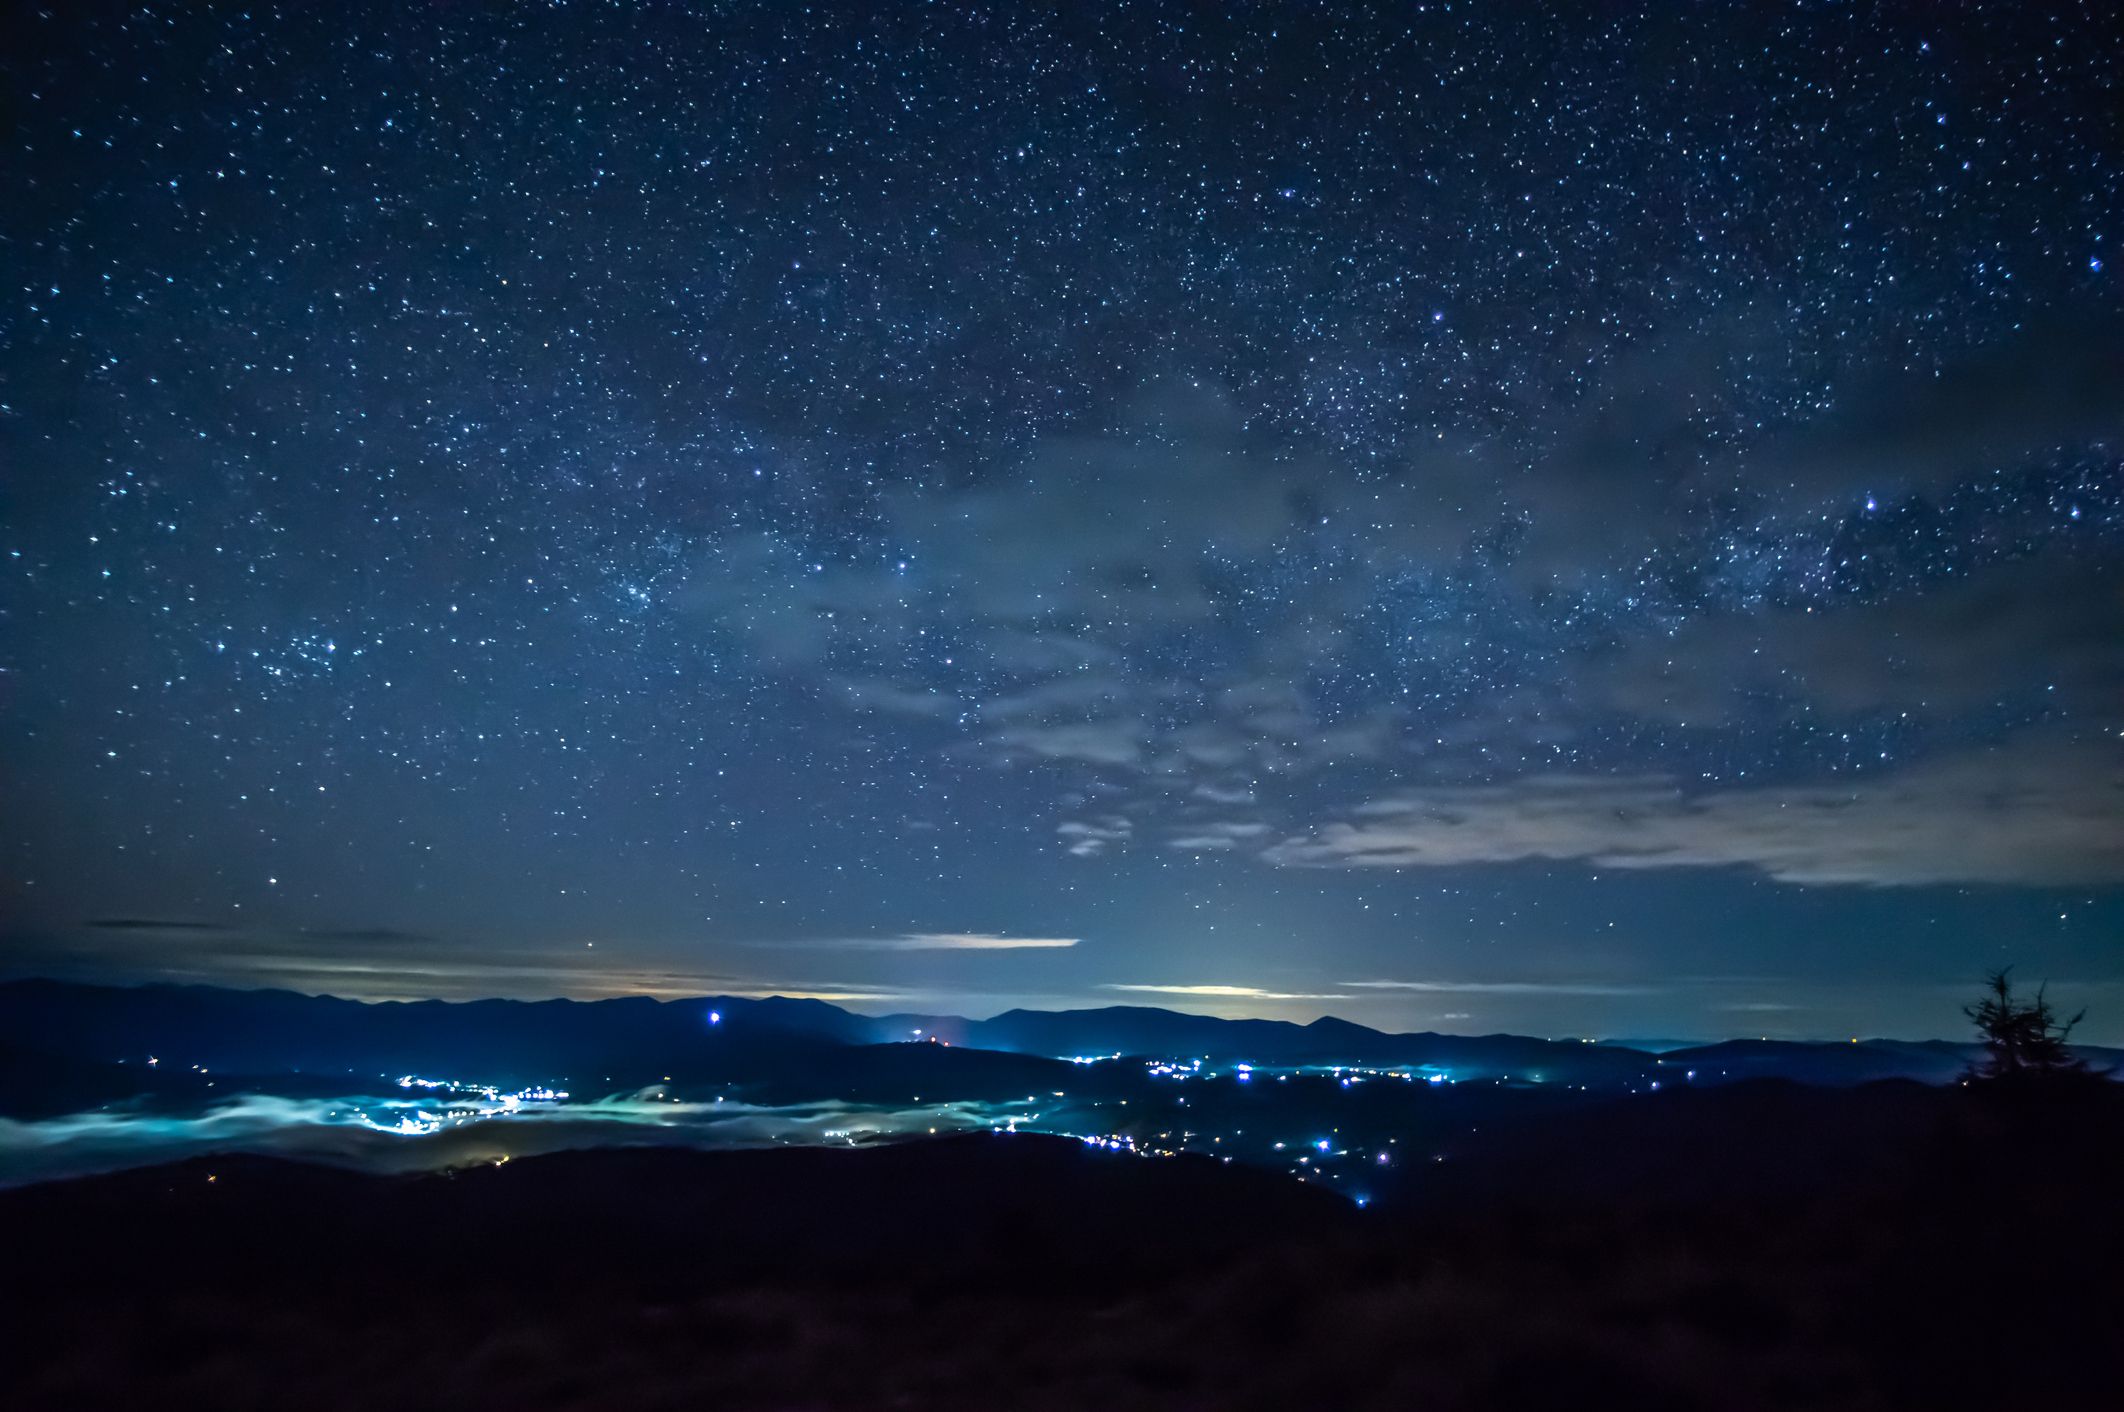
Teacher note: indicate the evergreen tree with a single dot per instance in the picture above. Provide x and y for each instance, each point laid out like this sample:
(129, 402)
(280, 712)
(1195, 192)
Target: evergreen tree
(2022, 1038)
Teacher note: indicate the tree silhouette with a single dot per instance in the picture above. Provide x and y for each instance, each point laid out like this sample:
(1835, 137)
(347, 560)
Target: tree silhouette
(2022, 1038)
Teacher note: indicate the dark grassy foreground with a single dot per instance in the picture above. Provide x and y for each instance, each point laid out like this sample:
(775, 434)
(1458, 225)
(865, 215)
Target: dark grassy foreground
(1755, 1247)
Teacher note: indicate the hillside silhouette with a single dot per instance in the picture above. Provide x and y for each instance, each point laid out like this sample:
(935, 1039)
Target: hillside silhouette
(1755, 1246)
(785, 1048)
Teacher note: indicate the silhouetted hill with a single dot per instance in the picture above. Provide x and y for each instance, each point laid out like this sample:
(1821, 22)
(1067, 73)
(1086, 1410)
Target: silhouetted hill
(1753, 1247)
(34, 1084)
(1147, 1030)
(784, 1047)
(980, 1206)
(773, 1050)
(499, 1041)
(1864, 1062)
(1758, 1138)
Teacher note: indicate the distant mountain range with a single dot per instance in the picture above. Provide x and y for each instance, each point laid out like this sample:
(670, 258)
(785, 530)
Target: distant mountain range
(803, 1047)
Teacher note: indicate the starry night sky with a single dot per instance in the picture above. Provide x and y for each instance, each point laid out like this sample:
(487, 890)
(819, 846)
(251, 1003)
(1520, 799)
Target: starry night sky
(1599, 521)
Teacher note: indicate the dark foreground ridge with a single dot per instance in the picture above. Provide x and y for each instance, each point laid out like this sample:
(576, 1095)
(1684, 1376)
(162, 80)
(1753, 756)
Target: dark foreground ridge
(1757, 1246)
(984, 1207)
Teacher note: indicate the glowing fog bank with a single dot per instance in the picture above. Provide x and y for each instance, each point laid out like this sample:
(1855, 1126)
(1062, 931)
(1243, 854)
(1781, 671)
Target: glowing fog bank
(439, 1124)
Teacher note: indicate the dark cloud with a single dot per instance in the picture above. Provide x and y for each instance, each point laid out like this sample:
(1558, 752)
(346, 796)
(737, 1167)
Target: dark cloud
(2048, 631)
(1217, 835)
(377, 936)
(2053, 386)
(1665, 445)
(1112, 529)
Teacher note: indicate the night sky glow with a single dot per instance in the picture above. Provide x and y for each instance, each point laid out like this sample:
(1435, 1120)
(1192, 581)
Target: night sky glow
(1603, 520)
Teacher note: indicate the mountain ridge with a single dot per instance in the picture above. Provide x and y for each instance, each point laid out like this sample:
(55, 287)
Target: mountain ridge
(642, 1037)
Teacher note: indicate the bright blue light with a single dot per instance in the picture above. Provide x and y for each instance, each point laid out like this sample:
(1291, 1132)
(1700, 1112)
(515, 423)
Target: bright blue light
(715, 1017)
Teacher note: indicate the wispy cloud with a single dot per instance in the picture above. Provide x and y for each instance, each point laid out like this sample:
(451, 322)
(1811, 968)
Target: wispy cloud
(381, 936)
(1502, 987)
(1221, 992)
(2044, 809)
(1089, 840)
(936, 941)
(383, 963)
(1217, 836)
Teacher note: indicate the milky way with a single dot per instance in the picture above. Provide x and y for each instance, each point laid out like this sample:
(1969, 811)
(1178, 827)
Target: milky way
(1450, 514)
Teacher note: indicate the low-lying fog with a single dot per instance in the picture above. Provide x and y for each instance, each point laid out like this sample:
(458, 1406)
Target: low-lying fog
(419, 1129)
